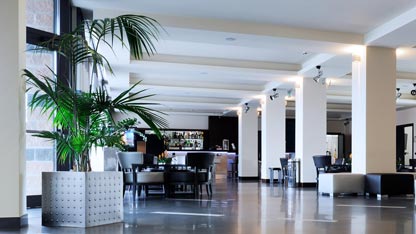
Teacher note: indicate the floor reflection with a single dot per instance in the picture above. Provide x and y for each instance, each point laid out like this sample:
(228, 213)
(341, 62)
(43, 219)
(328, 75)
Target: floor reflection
(253, 208)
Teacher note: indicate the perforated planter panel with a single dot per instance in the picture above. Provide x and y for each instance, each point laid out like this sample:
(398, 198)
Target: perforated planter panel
(82, 199)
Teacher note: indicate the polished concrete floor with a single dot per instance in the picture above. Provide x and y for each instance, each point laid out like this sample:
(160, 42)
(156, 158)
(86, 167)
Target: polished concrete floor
(253, 207)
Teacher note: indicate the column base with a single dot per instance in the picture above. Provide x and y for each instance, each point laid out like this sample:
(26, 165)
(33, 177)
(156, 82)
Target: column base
(248, 178)
(15, 222)
(307, 185)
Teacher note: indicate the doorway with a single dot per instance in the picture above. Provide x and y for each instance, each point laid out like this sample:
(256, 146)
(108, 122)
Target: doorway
(404, 144)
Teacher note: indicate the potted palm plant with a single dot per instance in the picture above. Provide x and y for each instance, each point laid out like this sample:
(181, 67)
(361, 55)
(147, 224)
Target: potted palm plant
(84, 119)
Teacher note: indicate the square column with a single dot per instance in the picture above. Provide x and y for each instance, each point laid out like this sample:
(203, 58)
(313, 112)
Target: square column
(247, 144)
(273, 133)
(374, 111)
(12, 124)
(310, 126)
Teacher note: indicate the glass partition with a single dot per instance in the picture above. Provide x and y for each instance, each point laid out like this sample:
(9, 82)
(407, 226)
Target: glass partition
(39, 152)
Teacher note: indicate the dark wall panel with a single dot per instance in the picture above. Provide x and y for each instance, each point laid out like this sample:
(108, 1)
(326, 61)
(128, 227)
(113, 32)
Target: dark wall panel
(222, 128)
(290, 135)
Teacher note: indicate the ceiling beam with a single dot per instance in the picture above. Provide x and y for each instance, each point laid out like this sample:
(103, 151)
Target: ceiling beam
(219, 62)
(197, 91)
(313, 62)
(225, 65)
(191, 104)
(257, 29)
(376, 36)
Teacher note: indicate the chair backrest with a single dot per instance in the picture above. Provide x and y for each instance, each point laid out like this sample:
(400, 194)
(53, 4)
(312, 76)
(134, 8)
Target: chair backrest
(126, 159)
(283, 162)
(200, 160)
(412, 162)
(149, 159)
(339, 161)
(322, 161)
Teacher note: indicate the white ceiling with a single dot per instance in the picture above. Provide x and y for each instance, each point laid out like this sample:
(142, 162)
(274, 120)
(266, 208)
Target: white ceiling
(217, 55)
(346, 16)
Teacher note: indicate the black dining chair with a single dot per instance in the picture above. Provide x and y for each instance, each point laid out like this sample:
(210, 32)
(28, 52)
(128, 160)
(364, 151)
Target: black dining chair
(412, 163)
(126, 160)
(323, 165)
(149, 159)
(203, 165)
(135, 173)
(200, 172)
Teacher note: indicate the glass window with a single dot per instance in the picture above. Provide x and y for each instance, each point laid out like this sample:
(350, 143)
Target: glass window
(39, 157)
(39, 152)
(40, 14)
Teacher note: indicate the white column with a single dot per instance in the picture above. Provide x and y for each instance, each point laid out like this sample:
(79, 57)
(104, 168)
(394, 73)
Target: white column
(273, 133)
(12, 105)
(374, 111)
(310, 126)
(247, 143)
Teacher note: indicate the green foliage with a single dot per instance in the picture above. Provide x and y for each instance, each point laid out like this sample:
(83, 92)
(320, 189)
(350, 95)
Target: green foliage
(85, 119)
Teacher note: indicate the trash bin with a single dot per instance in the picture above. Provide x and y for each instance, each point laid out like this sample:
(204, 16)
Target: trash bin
(292, 167)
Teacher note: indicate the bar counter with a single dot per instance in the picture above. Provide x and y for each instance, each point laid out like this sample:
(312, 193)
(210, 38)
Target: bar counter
(220, 159)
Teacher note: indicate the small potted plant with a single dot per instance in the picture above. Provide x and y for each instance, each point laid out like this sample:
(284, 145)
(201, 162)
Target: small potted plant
(84, 119)
(164, 158)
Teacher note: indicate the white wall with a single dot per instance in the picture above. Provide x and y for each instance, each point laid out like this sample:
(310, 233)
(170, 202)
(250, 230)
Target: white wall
(177, 121)
(344, 127)
(407, 116)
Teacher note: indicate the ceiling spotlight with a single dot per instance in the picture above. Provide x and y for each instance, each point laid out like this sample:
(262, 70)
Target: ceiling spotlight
(398, 94)
(246, 108)
(318, 78)
(413, 92)
(274, 95)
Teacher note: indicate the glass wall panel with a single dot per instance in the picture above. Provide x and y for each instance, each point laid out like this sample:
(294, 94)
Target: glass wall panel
(39, 152)
(40, 14)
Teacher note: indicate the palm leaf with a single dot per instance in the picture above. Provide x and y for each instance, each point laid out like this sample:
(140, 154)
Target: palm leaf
(87, 117)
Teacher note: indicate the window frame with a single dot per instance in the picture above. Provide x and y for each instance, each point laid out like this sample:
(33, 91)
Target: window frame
(62, 24)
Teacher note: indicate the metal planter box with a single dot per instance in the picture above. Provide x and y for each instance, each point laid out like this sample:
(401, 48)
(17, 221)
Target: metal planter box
(82, 199)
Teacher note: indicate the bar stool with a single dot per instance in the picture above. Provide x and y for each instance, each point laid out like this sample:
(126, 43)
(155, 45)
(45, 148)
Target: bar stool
(279, 174)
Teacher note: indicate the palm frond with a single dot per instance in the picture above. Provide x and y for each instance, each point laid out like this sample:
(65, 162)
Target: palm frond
(86, 118)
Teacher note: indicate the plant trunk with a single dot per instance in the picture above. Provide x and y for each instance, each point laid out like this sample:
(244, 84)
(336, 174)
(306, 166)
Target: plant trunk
(83, 164)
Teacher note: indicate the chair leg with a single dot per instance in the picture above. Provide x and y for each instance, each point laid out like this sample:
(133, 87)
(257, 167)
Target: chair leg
(146, 190)
(210, 188)
(139, 191)
(207, 188)
(134, 192)
(124, 189)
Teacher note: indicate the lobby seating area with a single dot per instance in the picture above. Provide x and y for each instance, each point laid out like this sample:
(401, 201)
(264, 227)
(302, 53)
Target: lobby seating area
(341, 183)
(157, 117)
(172, 179)
(388, 184)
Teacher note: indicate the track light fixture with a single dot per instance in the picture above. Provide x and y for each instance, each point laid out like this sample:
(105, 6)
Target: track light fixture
(413, 92)
(318, 78)
(274, 95)
(246, 108)
(398, 93)
(289, 93)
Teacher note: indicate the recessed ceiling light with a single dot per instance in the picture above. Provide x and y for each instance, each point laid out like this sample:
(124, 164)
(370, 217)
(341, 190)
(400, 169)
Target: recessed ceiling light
(230, 39)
